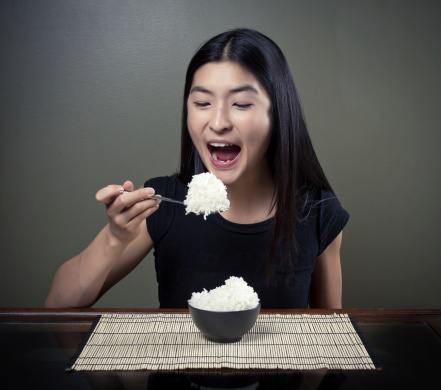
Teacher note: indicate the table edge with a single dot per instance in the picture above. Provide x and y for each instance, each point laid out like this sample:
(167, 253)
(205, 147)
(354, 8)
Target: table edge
(89, 314)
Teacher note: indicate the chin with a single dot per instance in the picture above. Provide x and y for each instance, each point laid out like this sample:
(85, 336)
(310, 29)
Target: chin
(227, 177)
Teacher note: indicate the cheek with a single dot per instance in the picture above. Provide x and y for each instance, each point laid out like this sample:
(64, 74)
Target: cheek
(260, 133)
(194, 122)
(192, 127)
(195, 134)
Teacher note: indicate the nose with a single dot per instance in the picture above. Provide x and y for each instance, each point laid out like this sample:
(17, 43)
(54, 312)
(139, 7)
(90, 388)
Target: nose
(220, 120)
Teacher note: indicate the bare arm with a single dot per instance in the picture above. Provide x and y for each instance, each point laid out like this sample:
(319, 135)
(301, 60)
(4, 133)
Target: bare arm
(114, 252)
(326, 283)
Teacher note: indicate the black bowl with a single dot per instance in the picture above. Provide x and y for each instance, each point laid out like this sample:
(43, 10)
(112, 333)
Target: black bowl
(224, 326)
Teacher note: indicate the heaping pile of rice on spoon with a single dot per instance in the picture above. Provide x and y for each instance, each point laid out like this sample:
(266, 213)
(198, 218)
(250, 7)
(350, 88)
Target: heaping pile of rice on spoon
(206, 195)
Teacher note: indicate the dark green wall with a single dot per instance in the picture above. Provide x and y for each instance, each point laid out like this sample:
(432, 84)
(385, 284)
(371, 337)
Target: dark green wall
(90, 94)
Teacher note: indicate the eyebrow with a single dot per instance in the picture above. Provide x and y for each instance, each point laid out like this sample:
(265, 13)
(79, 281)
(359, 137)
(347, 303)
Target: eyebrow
(244, 88)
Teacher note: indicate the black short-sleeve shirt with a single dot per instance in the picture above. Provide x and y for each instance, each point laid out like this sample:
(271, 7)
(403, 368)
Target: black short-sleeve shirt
(192, 253)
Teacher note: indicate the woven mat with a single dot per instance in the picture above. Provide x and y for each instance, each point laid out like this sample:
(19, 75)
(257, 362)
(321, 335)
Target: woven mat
(171, 342)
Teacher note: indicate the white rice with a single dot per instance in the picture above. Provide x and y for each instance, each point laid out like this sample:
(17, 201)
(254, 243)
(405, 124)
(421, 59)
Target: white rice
(234, 295)
(206, 195)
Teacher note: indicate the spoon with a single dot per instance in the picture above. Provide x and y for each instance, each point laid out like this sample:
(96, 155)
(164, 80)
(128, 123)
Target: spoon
(162, 198)
(167, 199)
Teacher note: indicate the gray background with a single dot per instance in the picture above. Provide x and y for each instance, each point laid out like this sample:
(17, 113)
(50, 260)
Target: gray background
(90, 94)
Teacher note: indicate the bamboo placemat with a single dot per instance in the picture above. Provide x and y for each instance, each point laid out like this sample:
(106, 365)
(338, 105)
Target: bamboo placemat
(170, 342)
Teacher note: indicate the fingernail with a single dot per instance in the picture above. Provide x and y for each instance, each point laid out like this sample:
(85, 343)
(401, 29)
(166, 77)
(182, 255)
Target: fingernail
(149, 192)
(120, 190)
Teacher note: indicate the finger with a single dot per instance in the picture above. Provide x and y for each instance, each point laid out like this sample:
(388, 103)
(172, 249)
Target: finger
(128, 186)
(138, 211)
(140, 208)
(145, 214)
(109, 194)
(127, 199)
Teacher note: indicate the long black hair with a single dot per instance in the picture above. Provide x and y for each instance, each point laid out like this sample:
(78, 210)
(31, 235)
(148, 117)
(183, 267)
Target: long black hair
(291, 156)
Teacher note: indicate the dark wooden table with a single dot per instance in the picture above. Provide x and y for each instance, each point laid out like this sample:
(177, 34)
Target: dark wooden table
(36, 345)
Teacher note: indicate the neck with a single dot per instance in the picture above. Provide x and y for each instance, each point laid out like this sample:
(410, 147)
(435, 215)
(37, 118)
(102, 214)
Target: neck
(250, 199)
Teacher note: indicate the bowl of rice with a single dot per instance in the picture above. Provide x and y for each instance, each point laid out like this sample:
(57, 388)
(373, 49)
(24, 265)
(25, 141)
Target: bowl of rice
(226, 313)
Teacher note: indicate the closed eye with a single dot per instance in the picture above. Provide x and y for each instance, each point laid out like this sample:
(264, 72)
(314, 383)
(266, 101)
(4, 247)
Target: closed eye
(201, 104)
(243, 106)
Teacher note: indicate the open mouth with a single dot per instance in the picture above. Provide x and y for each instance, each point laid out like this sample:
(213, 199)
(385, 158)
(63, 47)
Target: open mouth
(222, 152)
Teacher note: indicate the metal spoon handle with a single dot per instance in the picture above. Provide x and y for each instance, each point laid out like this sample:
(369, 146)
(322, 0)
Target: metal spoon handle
(166, 199)
(162, 198)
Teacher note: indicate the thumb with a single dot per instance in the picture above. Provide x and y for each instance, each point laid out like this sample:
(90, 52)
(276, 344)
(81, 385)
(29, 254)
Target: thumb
(128, 186)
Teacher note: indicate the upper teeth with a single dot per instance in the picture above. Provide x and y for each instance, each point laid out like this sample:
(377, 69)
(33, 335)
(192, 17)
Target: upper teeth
(218, 144)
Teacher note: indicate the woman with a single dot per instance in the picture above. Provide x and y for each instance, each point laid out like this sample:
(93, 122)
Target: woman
(242, 121)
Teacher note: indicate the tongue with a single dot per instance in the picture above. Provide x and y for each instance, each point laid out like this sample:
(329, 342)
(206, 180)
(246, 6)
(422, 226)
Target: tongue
(227, 153)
